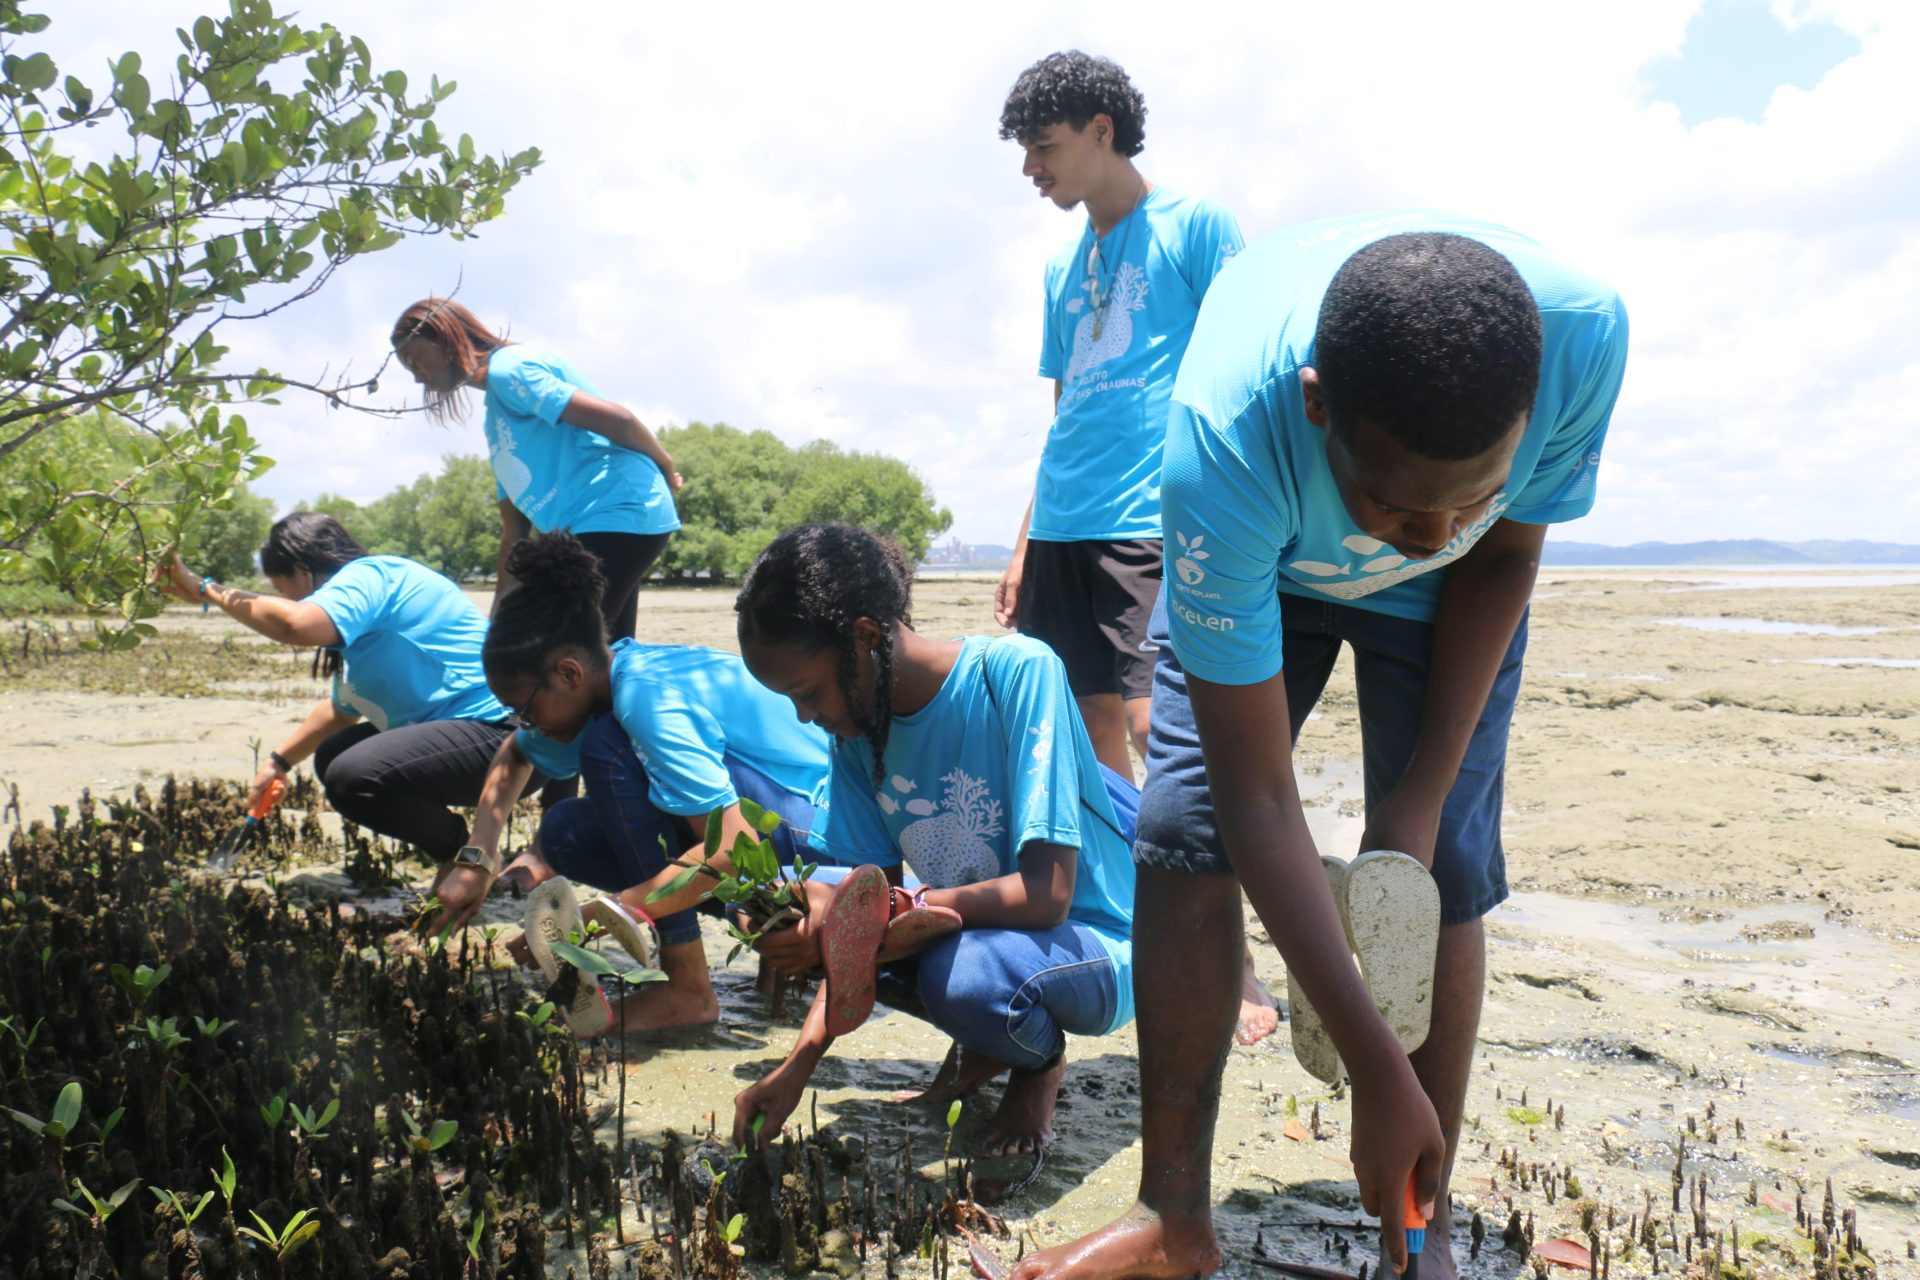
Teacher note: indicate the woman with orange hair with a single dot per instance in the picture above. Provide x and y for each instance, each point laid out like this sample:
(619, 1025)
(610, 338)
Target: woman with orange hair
(563, 457)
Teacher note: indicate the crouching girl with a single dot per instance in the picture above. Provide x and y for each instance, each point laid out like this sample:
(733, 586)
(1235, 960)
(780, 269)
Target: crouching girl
(664, 736)
(409, 728)
(966, 759)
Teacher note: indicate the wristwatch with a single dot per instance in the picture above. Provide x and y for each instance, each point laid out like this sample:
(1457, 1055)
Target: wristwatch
(472, 855)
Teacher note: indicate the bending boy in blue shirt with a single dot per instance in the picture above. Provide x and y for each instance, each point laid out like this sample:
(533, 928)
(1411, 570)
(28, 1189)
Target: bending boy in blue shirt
(1375, 423)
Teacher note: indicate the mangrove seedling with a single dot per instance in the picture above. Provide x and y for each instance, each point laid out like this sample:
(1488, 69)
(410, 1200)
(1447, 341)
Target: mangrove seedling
(179, 1203)
(473, 1236)
(429, 1139)
(66, 1114)
(300, 1228)
(757, 887)
(272, 1111)
(212, 1028)
(97, 1209)
(311, 1126)
(105, 1127)
(140, 983)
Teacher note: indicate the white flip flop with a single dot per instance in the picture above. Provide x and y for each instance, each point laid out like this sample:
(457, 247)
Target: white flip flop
(553, 912)
(1390, 908)
(1312, 1046)
(1393, 922)
(633, 934)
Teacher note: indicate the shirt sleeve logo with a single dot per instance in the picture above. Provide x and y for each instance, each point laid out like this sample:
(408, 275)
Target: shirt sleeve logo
(1188, 565)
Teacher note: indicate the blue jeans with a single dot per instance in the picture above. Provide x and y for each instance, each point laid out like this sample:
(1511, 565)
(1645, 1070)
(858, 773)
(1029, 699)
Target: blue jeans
(1391, 658)
(612, 838)
(1013, 995)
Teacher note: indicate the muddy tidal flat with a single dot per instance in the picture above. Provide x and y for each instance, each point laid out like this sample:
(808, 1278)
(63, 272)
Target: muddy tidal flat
(1709, 968)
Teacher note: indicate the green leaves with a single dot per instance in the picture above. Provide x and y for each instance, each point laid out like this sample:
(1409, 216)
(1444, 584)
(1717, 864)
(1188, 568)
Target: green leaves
(139, 984)
(96, 1207)
(32, 73)
(426, 1139)
(587, 962)
(126, 272)
(298, 1230)
(66, 1114)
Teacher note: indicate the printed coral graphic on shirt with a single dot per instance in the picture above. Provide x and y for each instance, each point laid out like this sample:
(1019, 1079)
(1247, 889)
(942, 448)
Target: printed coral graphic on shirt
(1382, 566)
(1113, 320)
(949, 846)
(512, 473)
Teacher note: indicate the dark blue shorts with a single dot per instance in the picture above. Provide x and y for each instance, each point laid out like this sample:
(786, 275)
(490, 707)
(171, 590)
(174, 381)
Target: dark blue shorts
(1390, 655)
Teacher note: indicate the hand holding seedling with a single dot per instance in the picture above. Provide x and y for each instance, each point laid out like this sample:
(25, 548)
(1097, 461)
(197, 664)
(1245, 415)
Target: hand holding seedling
(761, 1109)
(796, 948)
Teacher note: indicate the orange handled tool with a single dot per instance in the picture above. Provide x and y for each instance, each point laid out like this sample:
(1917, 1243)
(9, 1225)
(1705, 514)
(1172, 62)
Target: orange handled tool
(1415, 1225)
(236, 840)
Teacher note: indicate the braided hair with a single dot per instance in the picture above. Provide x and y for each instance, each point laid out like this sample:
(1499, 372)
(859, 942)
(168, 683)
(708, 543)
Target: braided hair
(316, 542)
(555, 606)
(810, 586)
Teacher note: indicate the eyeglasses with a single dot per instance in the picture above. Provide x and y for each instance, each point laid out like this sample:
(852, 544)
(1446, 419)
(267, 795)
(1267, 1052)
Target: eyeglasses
(519, 719)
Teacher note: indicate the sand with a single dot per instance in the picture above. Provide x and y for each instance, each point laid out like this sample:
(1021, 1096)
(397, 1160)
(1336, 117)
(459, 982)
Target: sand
(1713, 838)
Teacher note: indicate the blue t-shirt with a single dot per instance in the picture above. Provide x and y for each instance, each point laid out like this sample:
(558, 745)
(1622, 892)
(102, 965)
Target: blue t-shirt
(1251, 506)
(558, 476)
(410, 645)
(1100, 471)
(688, 711)
(998, 760)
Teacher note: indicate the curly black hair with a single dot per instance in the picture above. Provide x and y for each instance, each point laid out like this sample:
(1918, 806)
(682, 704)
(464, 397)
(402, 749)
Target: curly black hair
(810, 586)
(1075, 87)
(555, 606)
(1432, 337)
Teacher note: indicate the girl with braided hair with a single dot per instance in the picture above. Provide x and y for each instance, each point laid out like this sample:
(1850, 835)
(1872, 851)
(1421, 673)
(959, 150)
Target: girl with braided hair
(967, 761)
(664, 736)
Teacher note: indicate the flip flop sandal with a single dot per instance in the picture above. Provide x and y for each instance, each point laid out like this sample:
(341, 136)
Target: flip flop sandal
(1393, 922)
(1312, 1046)
(635, 935)
(851, 928)
(916, 929)
(553, 912)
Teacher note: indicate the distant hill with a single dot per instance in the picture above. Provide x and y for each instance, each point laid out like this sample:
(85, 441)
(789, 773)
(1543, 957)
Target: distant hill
(1732, 551)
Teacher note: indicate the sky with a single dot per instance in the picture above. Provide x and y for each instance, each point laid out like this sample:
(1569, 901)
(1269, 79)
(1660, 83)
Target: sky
(801, 218)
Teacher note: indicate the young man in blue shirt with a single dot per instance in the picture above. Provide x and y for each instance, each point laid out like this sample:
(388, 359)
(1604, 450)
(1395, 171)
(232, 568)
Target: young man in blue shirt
(1120, 306)
(1375, 423)
(1121, 302)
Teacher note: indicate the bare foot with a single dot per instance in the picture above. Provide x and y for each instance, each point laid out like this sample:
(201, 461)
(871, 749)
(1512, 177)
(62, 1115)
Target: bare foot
(960, 1074)
(1137, 1243)
(1259, 1017)
(685, 999)
(1024, 1123)
(661, 1005)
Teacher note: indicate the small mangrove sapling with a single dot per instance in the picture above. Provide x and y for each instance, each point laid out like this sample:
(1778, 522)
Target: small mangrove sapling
(757, 887)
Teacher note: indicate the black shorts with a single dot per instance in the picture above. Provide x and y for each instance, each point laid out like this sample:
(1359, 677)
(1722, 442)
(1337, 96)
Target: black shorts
(1090, 602)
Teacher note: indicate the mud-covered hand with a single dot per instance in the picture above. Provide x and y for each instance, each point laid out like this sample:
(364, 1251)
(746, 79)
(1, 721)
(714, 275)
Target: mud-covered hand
(1405, 821)
(461, 890)
(1396, 1136)
(761, 1110)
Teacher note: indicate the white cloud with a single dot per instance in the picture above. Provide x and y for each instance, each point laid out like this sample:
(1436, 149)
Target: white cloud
(800, 218)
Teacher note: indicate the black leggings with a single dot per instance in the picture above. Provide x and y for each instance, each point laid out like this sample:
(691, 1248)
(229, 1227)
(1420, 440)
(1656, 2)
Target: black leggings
(624, 559)
(403, 782)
